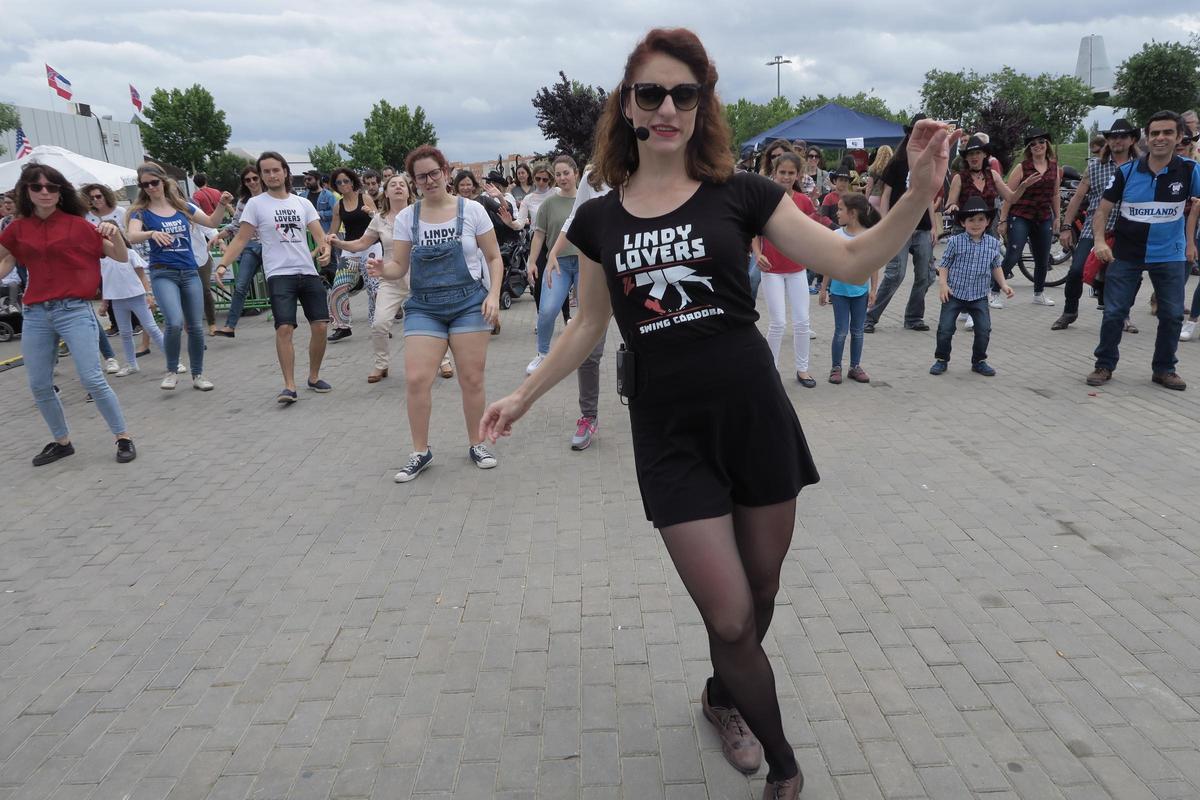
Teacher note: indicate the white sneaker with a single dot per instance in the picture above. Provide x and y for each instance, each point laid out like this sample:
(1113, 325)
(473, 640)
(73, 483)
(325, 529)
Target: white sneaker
(994, 300)
(181, 369)
(964, 318)
(111, 366)
(1188, 331)
(126, 371)
(202, 383)
(1040, 299)
(969, 323)
(537, 362)
(169, 381)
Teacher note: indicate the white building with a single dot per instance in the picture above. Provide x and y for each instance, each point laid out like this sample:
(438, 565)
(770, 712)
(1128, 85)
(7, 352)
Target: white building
(95, 137)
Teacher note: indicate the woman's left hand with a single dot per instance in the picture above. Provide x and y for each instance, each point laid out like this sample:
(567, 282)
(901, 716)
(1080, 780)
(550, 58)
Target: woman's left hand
(108, 230)
(491, 308)
(929, 156)
(226, 199)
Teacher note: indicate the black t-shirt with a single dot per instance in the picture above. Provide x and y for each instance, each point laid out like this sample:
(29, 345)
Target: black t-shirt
(682, 276)
(504, 234)
(895, 175)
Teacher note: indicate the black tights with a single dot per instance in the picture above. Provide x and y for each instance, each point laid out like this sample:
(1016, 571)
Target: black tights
(730, 566)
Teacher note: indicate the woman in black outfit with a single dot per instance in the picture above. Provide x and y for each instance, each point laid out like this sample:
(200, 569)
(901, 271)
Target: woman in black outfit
(353, 212)
(719, 452)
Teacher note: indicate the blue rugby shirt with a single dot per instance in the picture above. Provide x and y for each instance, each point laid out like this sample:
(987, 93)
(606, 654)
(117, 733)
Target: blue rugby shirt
(1150, 214)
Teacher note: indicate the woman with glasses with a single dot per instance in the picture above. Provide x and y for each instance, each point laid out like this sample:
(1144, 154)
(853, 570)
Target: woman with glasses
(771, 152)
(718, 450)
(162, 217)
(250, 261)
(815, 178)
(62, 253)
(354, 211)
(447, 247)
(124, 285)
(1030, 214)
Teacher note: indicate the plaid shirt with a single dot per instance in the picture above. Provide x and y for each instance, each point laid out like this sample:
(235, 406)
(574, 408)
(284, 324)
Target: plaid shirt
(969, 264)
(1099, 173)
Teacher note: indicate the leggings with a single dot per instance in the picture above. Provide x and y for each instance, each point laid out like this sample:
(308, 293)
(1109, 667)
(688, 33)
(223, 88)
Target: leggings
(339, 292)
(781, 290)
(127, 307)
(372, 285)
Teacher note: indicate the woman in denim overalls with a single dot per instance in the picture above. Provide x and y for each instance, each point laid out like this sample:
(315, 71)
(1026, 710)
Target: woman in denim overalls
(448, 306)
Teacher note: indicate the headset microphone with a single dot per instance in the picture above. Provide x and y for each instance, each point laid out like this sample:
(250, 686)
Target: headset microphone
(642, 133)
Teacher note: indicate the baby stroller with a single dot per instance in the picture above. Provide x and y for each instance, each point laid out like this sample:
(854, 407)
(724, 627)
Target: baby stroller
(10, 316)
(516, 282)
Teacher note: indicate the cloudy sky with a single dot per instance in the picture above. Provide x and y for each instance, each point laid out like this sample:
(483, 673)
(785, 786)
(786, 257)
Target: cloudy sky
(292, 74)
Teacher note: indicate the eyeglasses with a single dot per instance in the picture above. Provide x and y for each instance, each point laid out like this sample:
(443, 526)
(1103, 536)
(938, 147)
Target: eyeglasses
(343, 181)
(541, 179)
(650, 96)
(150, 184)
(250, 179)
(814, 155)
(96, 196)
(52, 188)
(433, 176)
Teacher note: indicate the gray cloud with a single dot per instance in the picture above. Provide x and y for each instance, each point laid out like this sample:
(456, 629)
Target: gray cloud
(292, 75)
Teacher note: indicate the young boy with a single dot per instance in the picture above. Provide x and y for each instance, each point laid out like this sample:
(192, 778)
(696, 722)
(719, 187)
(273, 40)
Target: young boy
(971, 260)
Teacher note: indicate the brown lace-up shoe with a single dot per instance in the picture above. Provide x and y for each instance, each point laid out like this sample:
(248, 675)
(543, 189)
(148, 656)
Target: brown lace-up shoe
(739, 745)
(1099, 376)
(784, 790)
(1170, 380)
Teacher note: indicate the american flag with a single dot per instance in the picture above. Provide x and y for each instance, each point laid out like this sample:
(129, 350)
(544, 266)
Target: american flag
(24, 146)
(58, 82)
(135, 98)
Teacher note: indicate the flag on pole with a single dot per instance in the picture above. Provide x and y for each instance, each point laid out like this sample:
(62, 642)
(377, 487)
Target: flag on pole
(58, 83)
(135, 98)
(24, 146)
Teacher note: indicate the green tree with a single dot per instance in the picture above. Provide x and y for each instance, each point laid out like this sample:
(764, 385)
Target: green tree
(1162, 75)
(955, 95)
(185, 127)
(567, 113)
(388, 134)
(9, 120)
(326, 157)
(748, 119)
(224, 171)
(1054, 103)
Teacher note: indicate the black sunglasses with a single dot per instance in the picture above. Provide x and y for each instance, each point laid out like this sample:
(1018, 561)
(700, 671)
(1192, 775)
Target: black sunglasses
(250, 179)
(650, 96)
(149, 184)
(52, 188)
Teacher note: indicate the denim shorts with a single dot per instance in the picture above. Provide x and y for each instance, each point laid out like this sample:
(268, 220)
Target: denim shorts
(286, 290)
(445, 312)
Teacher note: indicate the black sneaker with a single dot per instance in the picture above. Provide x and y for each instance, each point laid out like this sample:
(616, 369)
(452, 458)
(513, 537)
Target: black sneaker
(918, 326)
(126, 452)
(339, 334)
(868, 327)
(413, 467)
(53, 452)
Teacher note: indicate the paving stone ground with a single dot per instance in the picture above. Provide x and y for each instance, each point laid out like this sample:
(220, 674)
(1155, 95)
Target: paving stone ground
(993, 593)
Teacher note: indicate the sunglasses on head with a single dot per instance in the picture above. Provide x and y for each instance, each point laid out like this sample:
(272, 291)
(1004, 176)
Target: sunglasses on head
(650, 96)
(150, 183)
(52, 188)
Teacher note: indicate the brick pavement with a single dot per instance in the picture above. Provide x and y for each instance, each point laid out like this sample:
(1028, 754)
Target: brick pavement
(993, 592)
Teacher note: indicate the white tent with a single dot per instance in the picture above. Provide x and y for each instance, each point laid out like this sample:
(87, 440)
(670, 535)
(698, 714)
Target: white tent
(75, 168)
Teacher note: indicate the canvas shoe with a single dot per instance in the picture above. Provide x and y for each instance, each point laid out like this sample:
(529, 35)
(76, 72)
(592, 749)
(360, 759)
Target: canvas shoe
(169, 382)
(416, 463)
(111, 367)
(1187, 331)
(1040, 299)
(483, 457)
(533, 365)
(202, 383)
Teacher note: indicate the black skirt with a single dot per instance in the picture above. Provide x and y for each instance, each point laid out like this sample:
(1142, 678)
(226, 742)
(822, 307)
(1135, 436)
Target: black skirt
(713, 428)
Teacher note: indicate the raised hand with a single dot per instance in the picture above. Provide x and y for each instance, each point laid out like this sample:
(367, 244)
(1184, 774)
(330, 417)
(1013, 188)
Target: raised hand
(929, 156)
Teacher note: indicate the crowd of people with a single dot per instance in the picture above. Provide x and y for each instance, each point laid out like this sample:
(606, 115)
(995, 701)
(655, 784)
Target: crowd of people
(675, 251)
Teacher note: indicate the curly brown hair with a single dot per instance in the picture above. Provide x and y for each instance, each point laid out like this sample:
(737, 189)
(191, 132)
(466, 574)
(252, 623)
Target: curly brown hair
(709, 155)
(426, 151)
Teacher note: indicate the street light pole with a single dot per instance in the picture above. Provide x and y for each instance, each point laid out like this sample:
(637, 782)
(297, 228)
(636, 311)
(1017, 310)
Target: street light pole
(777, 63)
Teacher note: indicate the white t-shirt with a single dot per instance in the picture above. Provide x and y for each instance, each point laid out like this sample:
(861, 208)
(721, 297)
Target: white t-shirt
(200, 236)
(118, 280)
(282, 226)
(475, 222)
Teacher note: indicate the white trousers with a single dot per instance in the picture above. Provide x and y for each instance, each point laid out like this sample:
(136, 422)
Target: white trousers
(783, 290)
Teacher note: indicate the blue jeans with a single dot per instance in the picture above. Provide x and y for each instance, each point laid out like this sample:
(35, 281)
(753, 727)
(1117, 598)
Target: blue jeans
(555, 289)
(1121, 282)
(75, 323)
(755, 278)
(849, 316)
(106, 348)
(978, 309)
(249, 263)
(920, 247)
(1073, 289)
(1037, 234)
(181, 300)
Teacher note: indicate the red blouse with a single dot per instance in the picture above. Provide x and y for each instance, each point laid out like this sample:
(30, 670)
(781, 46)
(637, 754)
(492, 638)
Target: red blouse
(1037, 203)
(61, 252)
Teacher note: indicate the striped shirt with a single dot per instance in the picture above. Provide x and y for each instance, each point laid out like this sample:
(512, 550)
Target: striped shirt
(969, 264)
(1099, 173)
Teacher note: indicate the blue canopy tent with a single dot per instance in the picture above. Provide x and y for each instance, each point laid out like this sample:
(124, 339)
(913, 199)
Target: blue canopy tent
(832, 126)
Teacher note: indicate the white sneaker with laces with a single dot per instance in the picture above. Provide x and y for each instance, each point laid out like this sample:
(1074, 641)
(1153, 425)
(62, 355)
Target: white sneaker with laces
(1188, 331)
(994, 300)
(202, 383)
(181, 369)
(533, 365)
(111, 366)
(126, 371)
(1040, 299)
(416, 463)
(169, 382)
